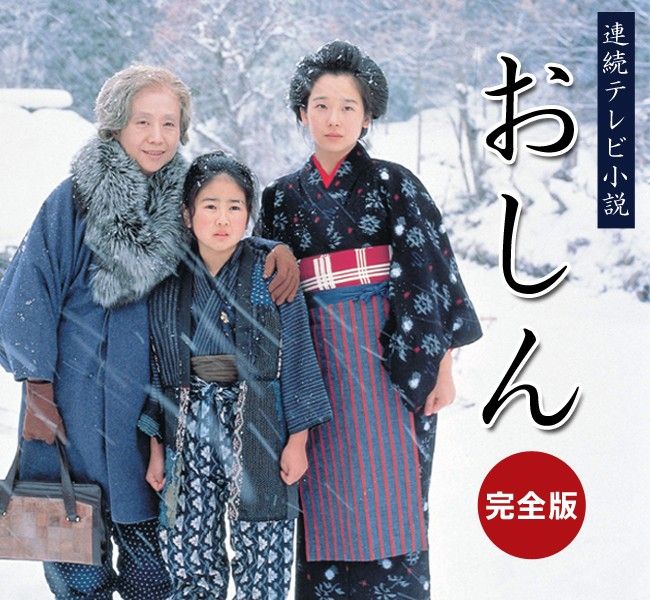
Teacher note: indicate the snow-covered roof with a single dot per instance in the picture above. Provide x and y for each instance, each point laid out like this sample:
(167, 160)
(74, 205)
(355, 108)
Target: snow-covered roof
(35, 98)
(35, 153)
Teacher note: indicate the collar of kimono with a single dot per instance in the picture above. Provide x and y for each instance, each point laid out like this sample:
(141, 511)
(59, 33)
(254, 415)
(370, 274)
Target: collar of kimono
(324, 175)
(345, 174)
(133, 222)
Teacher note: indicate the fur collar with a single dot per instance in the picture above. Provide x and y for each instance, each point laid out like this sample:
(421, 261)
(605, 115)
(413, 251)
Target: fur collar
(133, 222)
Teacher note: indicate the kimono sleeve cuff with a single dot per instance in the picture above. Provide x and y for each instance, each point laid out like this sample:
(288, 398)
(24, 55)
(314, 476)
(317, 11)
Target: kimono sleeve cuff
(308, 424)
(23, 374)
(149, 426)
(466, 335)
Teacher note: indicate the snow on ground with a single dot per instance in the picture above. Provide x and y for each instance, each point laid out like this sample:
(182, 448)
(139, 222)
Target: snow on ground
(597, 342)
(587, 337)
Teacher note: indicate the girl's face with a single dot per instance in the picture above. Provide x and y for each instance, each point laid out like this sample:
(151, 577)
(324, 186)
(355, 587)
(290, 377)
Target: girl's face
(335, 116)
(219, 220)
(152, 133)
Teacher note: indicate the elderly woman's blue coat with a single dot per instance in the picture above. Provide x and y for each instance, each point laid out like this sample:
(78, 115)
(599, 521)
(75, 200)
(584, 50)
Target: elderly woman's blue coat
(73, 311)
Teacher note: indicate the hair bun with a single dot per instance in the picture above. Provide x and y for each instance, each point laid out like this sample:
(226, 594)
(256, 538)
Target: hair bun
(340, 57)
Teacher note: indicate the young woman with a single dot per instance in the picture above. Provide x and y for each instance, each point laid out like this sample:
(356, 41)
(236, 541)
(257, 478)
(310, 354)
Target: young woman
(237, 387)
(74, 325)
(386, 306)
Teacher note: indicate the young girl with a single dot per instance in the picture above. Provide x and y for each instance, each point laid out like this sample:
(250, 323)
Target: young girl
(386, 306)
(237, 386)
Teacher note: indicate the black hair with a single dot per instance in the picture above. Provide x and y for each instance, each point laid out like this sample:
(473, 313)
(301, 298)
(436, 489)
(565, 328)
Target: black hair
(206, 167)
(340, 58)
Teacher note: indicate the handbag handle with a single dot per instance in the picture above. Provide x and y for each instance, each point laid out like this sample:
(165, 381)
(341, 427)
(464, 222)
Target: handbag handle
(69, 499)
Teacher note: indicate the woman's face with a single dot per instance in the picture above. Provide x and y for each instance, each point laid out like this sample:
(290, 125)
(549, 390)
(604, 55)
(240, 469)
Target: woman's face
(335, 115)
(152, 133)
(219, 220)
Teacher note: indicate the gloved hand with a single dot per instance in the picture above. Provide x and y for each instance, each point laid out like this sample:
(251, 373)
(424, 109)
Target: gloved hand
(42, 419)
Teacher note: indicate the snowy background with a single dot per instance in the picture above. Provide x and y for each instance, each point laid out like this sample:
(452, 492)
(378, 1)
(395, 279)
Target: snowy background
(593, 329)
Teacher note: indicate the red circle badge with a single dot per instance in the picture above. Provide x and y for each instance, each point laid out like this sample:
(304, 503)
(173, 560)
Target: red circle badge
(531, 505)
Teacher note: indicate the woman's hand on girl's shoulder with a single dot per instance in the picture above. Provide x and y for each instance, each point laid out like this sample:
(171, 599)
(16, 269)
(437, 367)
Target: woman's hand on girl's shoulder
(282, 262)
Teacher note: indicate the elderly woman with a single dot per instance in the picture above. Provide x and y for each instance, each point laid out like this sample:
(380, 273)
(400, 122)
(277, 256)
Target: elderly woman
(73, 319)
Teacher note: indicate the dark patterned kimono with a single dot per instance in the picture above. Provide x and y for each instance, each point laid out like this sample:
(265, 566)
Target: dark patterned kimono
(379, 347)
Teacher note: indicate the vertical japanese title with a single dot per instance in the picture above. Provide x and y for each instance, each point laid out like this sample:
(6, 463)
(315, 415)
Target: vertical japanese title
(515, 83)
(615, 120)
(615, 177)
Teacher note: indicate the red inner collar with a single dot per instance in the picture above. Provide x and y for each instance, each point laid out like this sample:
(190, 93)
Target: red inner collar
(325, 176)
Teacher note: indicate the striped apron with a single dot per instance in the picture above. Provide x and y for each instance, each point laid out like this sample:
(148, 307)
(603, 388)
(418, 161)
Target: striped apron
(362, 497)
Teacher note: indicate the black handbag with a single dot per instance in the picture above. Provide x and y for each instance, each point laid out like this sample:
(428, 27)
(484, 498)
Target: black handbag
(51, 521)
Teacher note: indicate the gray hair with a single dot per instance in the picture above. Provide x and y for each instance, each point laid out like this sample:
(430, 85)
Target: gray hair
(113, 103)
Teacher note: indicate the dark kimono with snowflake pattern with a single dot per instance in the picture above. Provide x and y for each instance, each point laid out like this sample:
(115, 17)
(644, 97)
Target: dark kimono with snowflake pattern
(373, 202)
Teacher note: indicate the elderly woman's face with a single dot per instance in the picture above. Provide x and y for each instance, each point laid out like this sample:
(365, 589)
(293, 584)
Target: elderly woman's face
(153, 132)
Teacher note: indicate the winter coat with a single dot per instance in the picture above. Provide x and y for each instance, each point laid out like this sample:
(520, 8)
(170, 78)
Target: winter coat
(73, 311)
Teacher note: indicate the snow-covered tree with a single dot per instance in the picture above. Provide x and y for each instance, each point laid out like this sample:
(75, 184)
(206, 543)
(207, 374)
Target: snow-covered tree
(237, 58)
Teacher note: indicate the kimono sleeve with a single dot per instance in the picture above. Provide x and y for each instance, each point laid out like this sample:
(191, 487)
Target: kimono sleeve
(33, 289)
(263, 237)
(304, 398)
(151, 420)
(430, 309)
(264, 223)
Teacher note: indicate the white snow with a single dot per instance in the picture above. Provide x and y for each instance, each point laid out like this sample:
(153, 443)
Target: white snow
(591, 334)
(36, 98)
(35, 156)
